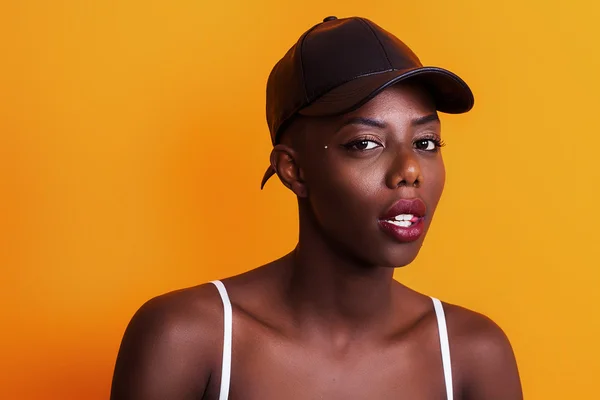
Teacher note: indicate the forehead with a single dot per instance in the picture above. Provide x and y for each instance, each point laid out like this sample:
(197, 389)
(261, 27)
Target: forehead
(403, 100)
(397, 105)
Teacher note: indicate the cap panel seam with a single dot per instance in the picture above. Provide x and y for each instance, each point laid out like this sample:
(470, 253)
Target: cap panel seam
(296, 107)
(302, 40)
(378, 41)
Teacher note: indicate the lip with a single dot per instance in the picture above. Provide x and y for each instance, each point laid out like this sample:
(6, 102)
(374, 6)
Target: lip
(415, 207)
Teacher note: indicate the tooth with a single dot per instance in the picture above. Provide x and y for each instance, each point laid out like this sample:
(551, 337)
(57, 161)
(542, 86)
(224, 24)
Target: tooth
(402, 224)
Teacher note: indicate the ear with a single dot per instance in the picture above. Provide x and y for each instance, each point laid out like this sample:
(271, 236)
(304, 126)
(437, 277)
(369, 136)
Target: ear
(284, 162)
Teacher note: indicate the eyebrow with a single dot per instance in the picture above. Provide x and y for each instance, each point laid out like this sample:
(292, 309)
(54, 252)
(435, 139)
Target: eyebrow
(363, 121)
(425, 120)
(374, 123)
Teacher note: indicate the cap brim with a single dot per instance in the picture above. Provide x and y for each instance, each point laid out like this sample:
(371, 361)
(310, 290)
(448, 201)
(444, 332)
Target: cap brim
(450, 94)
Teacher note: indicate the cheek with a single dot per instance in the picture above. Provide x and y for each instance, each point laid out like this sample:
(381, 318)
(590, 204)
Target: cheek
(435, 180)
(350, 194)
(347, 197)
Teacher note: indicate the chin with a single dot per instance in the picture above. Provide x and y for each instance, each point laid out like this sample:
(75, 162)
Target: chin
(399, 262)
(400, 255)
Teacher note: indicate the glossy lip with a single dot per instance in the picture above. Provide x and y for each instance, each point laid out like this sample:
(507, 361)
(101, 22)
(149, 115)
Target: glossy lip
(415, 207)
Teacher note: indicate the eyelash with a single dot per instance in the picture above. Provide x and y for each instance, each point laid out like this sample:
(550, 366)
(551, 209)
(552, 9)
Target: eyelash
(439, 143)
(349, 145)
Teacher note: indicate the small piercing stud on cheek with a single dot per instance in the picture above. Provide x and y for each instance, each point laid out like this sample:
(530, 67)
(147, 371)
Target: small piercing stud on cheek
(325, 146)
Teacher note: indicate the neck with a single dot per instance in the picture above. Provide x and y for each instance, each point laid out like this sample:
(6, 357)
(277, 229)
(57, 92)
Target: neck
(330, 289)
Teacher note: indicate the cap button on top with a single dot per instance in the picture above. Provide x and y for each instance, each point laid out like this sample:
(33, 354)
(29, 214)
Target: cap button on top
(327, 19)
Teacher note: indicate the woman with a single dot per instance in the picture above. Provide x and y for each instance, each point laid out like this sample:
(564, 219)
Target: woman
(353, 120)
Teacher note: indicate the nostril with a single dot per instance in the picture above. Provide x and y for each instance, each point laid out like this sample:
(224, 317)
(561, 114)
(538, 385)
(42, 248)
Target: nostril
(415, 183)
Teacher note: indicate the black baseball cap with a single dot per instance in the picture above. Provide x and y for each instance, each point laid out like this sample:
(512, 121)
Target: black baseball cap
(340, 64)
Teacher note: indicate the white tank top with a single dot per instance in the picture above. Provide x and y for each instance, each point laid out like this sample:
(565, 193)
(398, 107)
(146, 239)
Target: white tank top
(228, 331)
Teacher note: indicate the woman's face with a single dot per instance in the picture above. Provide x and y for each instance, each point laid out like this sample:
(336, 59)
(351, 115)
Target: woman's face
(373, 177)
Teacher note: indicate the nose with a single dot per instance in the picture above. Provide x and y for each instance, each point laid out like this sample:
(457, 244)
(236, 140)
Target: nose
(405, 171)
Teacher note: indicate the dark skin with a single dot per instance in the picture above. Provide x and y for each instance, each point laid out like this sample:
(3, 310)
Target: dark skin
(328, 321)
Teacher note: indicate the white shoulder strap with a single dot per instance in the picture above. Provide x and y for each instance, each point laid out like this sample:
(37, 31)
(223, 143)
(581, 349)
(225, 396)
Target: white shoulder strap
(227, 338)
(445, 346)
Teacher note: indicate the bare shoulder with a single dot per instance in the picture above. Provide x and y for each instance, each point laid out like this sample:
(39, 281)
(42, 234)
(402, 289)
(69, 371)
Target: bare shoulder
(181, 310)
(475, 332)
(482, 356)
(170, 346)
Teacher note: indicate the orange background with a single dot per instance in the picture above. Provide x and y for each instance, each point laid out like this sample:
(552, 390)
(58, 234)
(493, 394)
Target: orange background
(133, 140)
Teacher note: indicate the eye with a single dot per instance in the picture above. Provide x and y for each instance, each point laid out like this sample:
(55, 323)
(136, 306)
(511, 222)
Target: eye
(362, 145)
(430, 144)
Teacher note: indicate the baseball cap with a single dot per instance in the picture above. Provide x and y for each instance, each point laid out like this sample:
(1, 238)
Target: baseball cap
(340, 64)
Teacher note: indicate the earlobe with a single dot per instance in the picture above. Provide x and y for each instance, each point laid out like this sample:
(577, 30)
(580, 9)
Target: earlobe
(283, 161)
